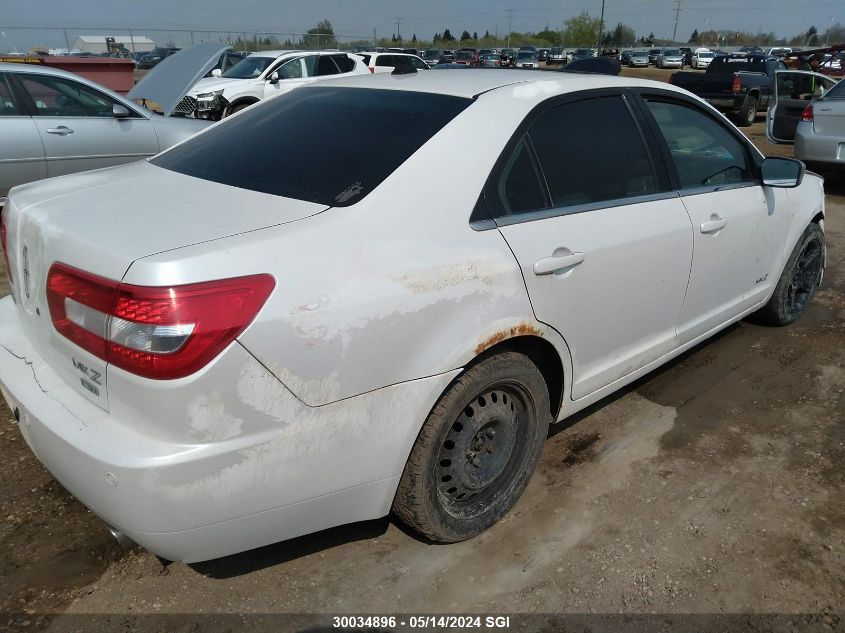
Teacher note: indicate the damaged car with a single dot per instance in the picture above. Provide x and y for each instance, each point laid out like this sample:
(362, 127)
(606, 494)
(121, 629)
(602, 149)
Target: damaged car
(304, 339)
(264, 75)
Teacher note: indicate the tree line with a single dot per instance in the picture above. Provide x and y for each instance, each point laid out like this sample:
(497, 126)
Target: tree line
(579, 30)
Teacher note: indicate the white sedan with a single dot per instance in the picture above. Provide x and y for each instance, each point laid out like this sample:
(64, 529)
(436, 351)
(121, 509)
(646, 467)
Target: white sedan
(256, 335)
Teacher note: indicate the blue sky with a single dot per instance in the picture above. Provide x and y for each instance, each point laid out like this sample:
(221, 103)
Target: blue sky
(423, 17)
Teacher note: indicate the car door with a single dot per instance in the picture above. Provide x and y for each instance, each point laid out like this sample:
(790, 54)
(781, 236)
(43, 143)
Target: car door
(78, 128)
(794, 90)
(289, 74)
(738, 224)
(21, 152)
(603, 243)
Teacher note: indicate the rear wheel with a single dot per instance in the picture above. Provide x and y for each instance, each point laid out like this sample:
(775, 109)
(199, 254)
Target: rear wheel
(476, 451)
(798, 281)
(748, 112)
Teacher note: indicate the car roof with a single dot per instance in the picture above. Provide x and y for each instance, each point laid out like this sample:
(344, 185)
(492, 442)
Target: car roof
(370, 53)
(474, 82)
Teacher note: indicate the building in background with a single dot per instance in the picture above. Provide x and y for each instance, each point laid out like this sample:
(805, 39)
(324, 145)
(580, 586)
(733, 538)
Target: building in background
(97, 43)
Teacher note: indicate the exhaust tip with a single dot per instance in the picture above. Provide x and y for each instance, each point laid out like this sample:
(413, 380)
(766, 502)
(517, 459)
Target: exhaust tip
(124, 541)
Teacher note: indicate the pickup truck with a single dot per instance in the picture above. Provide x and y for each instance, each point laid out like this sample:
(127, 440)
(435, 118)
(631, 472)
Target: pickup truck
(738, 86)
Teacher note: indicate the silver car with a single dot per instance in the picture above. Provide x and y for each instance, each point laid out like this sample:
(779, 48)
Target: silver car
(638, 59)
(809, 111)
(54, 122)
(670, 58)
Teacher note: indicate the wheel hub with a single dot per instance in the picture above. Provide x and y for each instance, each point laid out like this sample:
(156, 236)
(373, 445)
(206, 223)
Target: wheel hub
(805, 276)
(479, 446)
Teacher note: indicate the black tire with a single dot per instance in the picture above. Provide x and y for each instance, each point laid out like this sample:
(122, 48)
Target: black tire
(237, 108)
(748, 112)
(476, 451)
(798, 281)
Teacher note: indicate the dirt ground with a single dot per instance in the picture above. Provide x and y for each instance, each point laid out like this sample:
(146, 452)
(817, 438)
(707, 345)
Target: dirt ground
(714, 485)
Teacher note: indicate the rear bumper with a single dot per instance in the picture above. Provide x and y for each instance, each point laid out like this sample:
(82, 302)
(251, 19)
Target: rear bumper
(290, 470)
(726, 104)
(818, 148)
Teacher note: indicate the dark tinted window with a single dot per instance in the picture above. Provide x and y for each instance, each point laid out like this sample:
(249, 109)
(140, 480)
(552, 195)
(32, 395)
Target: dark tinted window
(704, 150)
(7, 100)
(736, 64)
(307, 144)
(520, 185)
(326, 66)
(607, 163)
(366, 59)
(344, 63)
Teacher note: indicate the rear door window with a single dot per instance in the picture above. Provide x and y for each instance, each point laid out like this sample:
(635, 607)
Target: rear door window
(326, 66)
(8, 105)
(609, 163)
(307, 144)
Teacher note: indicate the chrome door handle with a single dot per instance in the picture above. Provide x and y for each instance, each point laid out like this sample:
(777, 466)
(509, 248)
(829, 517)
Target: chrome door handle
(553, 264)
(713, 225)
(62, 130)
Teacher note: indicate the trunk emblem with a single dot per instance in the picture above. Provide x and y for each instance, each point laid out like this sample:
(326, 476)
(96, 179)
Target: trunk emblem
(26, 276)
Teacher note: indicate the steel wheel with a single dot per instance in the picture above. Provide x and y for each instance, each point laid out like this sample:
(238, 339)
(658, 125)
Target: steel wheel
(476, 450)
(479, 449)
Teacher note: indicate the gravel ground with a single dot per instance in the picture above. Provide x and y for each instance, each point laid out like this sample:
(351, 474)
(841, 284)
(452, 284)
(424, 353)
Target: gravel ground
(714, 485)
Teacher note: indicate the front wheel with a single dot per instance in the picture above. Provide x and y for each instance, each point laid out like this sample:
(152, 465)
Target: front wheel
(476, 451)
(798, 281)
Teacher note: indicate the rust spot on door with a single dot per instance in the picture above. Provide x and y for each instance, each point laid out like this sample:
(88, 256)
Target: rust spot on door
(523, 329)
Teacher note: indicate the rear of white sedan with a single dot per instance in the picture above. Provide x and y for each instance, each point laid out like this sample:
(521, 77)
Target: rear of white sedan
(256, 335)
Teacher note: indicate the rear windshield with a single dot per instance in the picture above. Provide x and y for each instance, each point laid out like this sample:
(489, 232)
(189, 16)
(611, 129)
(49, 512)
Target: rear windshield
(736, 64)
(837, 92)
(307, 144)
(526, 55)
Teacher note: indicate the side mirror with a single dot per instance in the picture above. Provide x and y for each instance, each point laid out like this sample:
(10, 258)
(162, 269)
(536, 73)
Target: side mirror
(216, 72)
(274, 77)
(120, 112)
(782, 172)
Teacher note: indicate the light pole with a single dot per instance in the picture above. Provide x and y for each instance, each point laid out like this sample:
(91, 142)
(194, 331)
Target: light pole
(601, 27)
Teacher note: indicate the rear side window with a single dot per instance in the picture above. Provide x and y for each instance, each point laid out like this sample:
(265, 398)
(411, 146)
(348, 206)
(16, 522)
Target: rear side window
(609, 163)
(366, 59)
(326, 66)
(344, 63)
(307, 144)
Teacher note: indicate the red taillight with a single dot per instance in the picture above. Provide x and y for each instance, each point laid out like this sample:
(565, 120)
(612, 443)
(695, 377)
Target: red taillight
(156, 332)
(736, 86)
(372, 70)
(3, 243)
(807, 114)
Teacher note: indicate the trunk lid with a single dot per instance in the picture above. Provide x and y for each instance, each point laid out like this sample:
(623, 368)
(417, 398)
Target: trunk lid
(829, 117)
(102, 221)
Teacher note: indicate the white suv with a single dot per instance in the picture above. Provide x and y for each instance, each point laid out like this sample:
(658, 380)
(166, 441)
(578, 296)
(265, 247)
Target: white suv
(263, 75)
(388, 62)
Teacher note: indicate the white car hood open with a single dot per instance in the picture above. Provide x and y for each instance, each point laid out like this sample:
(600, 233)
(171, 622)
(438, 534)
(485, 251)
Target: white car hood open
(170, 80)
